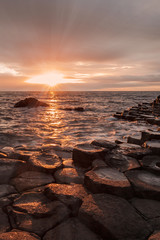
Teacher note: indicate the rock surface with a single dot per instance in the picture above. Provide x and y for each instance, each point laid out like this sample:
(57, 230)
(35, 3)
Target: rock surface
(9, 168)
(155, 236)
(72, 229)
(6, 189)
(31, 179)
(18, 235)
(68, 175)
(38, 225)
(149, 209)
(108, 180)
(30, 102)
(121, 162)
(46, 162)
(109, 215)
(145, 184)
(4, 222)
(84, 154)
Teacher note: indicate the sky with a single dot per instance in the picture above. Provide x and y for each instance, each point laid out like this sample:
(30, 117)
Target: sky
(102, 45)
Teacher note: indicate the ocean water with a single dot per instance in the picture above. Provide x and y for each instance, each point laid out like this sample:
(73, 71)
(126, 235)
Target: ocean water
(55, 125)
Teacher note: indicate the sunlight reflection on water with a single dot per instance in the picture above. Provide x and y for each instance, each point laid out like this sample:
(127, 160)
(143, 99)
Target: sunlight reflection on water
(57, 125)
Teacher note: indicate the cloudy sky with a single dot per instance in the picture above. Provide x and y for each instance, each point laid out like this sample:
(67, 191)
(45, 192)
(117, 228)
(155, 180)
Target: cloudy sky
(93, 44)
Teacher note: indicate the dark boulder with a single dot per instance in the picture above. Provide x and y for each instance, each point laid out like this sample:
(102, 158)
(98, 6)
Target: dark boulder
(79, 109)
(30, 102)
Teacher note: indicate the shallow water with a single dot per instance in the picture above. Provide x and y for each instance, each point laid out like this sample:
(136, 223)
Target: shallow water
(54, 124)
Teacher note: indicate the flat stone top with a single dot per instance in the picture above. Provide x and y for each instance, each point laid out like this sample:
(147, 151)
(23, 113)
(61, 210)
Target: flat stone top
(110, 174)
(129, 145)
(144, 181)
(88, 147)
(153, 144)
(76, 190)
(47, 161)
(149, 178)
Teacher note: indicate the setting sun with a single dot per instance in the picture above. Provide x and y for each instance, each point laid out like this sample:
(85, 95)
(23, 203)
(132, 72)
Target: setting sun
(51, 79)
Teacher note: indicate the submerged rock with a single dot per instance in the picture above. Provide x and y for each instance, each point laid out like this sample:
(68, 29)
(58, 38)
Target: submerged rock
(30, 102)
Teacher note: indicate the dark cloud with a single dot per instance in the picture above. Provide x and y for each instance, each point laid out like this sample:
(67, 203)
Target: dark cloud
(36, 35)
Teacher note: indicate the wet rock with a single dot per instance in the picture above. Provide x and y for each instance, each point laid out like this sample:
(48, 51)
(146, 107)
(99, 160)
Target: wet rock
(71, 229)
(68, 175)
(146, 184)
(10, 168)
(45, 162)
(153, 145)
(84, 154)
(108, 180)
(68, 163)
(31, 179)
(6, 189)
(98, 163)
(151, 163)
(149, 209)
(63, 153)
(30, 102)
(34, 203)
(134, 140)
(129, 146)
(104, 144)
(39, 226)
(3, 155)
(18, 235)
(155, 236)
(134, 153)
(70, 195)
(19, 156)
(4, 222)
(5, 201)
(113, 218)
(63, 192)
(149, 135)
(121, 162)
(7, 150)
(79, 109)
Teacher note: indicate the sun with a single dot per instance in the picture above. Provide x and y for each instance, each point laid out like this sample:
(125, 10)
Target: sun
(51, 79)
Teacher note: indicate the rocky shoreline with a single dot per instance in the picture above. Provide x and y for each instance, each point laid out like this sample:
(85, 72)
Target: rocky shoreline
(97, 191)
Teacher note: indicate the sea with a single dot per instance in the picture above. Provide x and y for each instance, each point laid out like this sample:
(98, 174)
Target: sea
(35, 127)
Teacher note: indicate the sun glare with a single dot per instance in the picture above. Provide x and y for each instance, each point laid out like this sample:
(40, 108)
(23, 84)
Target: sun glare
(51, 79)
